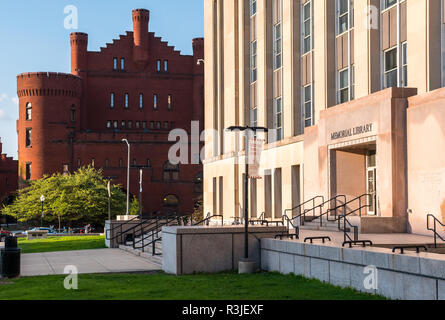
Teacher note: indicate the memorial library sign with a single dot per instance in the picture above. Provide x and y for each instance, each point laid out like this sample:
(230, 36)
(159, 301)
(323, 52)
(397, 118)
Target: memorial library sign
(351, 131)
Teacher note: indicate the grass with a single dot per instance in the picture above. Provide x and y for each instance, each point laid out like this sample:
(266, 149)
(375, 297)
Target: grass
(61, 244)
(160, 286)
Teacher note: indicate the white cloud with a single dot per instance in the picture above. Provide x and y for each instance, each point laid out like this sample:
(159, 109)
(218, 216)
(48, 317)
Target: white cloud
(3, 96)
(4, 115)
(15, 100)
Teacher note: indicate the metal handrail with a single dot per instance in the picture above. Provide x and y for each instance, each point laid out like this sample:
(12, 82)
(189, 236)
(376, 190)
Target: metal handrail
(320, 207)
(434, 229)
(153, 230)
(122, 233)
(208, 218)
(301, 205)
(289, 222)
(346, 236)
(107, 232)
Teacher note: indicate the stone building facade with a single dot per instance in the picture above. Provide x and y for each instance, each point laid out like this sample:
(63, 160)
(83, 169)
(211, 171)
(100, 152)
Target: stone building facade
(352, 94)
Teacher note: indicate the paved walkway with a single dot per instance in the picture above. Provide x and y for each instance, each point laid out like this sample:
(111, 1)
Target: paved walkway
(377, 239)
(86, 261)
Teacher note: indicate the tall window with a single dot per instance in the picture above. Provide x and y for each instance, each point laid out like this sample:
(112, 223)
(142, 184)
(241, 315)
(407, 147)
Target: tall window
(277, 64)
(141, 100)
(155, 101)
(130, 124)
(28, 138)
(307, 98)
(158, 65)
(344, 85)
(109, 124)
(123, 124)
(307, 27)
(253, 7)
(169, 102)
(253, 62)
(404, 64)
(107, 163)
(345, 7)
(165, 65)
(112, 100)
(28, 116)
(73, 114)
(278, 106)
(114, 63)
(122, 64)
(115, 124)
(28, 171)
(390, 68)
(277, 45)
(170, 171)
(345, 76)
(127, 103)
(389, 3)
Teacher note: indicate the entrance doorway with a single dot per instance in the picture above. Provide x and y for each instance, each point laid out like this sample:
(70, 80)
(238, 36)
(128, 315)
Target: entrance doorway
(371, 182)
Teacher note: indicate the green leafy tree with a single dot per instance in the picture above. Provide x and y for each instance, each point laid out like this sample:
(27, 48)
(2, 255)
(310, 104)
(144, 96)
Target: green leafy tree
(81, 197)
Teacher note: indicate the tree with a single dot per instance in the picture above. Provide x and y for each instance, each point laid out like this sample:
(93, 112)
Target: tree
(81, 197)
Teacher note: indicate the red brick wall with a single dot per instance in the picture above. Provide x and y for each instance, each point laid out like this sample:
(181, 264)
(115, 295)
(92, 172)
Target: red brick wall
(8, 175)
(57, 141)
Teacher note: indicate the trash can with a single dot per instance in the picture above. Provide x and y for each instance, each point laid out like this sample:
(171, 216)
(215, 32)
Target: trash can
(10, 259)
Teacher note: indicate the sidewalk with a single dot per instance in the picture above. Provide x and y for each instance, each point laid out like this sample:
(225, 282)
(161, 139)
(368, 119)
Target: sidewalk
(86, 261)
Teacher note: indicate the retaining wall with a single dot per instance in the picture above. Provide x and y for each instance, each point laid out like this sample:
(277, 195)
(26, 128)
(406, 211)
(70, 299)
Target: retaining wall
(409, 276)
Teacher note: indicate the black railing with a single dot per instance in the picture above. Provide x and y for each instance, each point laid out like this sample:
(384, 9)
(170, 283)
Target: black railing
(434, 227)
(347, 226)
(330, 209)
(152, 232)
(120, 226)
(208, 218)
(300, 207)
(290, 223)
(402, 248)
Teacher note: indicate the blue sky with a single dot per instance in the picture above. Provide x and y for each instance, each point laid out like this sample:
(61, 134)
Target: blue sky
(33, 38)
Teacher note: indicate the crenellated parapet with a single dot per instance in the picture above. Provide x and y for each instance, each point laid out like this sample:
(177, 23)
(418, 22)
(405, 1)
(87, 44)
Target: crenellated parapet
(34, 84)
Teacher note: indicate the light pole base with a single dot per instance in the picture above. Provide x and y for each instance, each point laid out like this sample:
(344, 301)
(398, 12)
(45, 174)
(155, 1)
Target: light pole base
(246, 266)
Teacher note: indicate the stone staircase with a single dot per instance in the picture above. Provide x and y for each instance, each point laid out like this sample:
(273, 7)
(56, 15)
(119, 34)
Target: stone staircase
(314, 224)
(147, 251)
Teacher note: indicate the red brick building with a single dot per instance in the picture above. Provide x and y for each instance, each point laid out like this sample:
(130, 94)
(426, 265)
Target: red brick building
(8, 178)
(136, 88)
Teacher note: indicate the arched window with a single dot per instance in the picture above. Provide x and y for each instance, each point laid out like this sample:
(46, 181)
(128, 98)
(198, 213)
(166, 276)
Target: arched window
(170, 201)
(198, 183)
(171, 171)
(28, 111)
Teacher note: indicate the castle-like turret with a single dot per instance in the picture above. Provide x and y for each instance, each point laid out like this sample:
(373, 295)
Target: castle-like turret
(141, 18)
(49, 105)
(79, 56)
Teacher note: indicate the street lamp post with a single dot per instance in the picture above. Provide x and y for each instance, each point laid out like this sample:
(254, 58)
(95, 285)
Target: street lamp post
(128, 178)
(140, 193)
(247, 130)
(42, 200)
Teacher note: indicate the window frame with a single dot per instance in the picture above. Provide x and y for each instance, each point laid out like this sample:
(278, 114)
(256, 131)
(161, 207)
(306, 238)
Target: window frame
(28, 137)
(393, 70)
(28, 107)
(112, 100)
(306, 102)
(127, 100)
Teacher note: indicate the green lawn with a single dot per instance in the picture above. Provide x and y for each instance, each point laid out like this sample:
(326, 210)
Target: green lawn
(160, 286)
(61, 244)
